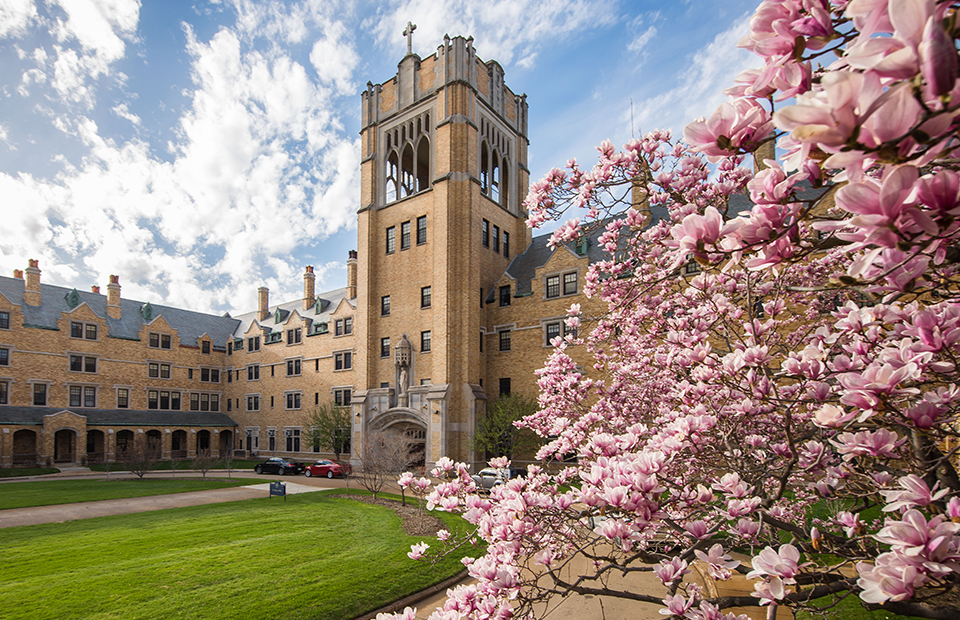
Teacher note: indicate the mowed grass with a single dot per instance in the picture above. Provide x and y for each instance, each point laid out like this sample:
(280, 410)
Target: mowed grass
(53, 492)
(311, 557)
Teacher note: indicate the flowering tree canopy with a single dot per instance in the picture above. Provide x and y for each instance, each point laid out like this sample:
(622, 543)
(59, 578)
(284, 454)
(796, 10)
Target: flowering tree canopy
(775, 370)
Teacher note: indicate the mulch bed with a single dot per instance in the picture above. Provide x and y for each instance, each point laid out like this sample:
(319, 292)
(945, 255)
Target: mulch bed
(415, 523)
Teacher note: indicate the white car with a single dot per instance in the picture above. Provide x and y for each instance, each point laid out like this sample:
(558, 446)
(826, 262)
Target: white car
(489, 477)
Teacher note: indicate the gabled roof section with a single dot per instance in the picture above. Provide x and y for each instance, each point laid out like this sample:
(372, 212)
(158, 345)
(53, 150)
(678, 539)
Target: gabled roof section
(190, 325)
(329, 302)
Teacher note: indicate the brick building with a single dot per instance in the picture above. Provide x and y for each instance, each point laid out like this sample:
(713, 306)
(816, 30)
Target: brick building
(448, 303)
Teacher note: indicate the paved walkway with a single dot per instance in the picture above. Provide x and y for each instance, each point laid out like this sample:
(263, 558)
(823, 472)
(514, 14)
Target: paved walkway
(579, 607)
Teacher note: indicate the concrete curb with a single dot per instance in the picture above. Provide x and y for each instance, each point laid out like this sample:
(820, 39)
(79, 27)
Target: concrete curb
(412, 599)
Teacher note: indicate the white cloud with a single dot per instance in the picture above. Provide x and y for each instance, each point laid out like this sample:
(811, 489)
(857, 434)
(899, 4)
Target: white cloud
(700, 89)
(334, 58)
(16, 16)
(260, 168)
(510, 30)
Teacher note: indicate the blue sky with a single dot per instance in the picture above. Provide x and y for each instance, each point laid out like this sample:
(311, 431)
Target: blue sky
(202, 149)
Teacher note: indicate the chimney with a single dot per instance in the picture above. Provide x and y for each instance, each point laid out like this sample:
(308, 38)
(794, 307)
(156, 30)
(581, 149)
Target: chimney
(18, 273)
(263, 303)
(309, 288)
(352, 275)
(95, 289)
(766, 150)
(113, 297)
(31, 290)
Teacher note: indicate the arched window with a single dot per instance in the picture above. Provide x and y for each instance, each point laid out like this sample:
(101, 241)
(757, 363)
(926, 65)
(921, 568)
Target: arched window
(495, 178)
(504, 186)
(484, 169)
(392, 177)
(407, 179)
(423, 164)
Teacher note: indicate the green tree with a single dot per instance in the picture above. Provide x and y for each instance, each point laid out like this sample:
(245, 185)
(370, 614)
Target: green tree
(497, 435)
(330, 428)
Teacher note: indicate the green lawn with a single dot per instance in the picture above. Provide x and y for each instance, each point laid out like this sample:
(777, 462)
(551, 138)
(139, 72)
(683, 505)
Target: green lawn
(311, 557)
(19, 472)
(186, 464)
(50, 492)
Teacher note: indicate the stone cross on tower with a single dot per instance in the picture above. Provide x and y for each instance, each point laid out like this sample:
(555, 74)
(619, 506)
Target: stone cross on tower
(408, 32)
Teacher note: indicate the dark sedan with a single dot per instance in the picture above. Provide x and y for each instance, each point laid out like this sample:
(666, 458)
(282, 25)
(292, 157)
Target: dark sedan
(279, 466)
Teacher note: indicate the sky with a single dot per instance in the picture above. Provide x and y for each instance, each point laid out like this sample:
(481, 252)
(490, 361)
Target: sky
(202, 149)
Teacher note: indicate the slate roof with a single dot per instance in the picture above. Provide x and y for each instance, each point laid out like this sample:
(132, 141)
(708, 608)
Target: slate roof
(329, 302)
(33, 416)
(189, 325)
(523, 266)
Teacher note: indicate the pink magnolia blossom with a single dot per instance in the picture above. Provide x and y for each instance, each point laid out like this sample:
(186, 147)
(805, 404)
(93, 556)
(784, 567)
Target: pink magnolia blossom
(782, 564)
(914, 493)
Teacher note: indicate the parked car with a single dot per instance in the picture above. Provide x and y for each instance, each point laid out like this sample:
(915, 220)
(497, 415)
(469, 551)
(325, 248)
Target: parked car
(489, 477)
(324, 467)
(279, 466)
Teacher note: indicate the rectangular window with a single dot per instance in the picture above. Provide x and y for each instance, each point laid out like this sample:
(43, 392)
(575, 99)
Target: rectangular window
(496, 239)
(159, 341)
(293, 400)
(253, 372)
(425, 296)
(338, 327)
(570, 283)
(385, 347)
(505, 340)
(39, 394)
(189, 373)
(505, 295)
(4, 356)
(87, 331)
(90, 331)
(76, 330)
(229, 403)
(424, 341)
(391, 239)
(5, 316)
(205, 347)
(343, 360)
(485, 233)
(505, 386)
(253, 402)
(89, 396)
(293, 368)
(405, 235)
(553, 286)
(81, 363)
(341, 397)
(294, 335)
(385, 305)
(210, 375)
(229, 348)
(253, 344)
(293, 439)
(123, 398)
(4, 393)
(74, 396)
(553, 331)
(421, 230)
(164, 400)
(506, 244)
(156, 370)
(481, 341)
(272, 439)
(348, 325)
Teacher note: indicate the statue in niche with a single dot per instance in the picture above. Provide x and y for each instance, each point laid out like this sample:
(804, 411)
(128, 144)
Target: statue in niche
(402, 361)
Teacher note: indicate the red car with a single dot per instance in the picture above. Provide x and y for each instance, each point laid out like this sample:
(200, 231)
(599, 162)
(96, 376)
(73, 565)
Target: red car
(324, 468)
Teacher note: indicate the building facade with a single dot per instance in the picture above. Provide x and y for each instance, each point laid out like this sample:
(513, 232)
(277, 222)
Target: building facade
(448, 303)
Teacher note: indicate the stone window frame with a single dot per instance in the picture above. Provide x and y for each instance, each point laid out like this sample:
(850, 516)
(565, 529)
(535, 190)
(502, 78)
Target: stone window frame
(561, 283)
(339, 392)
(39, 383)
(162, 339)
(384, 347)
(172, 394)
(426, 341)
(407, 155)
(344, 359)
(6, 354)
(294, 336)
(391, 239)
(5, 318)
(253, 372)
(5, 390)
(495, 161)
(210, 373)
(253, 344)
(292, 436)
(205, 347)
(84, 363)
(159, 369)
(505, 336)
(294, 366)
(252, 401)
(83, 390)
(84, 330)
(293, 400)
(124, 388)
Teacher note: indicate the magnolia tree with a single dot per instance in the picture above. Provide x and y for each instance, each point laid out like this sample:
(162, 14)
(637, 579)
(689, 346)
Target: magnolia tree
(791, 402)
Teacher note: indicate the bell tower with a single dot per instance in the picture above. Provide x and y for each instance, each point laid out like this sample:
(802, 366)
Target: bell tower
(443, 177)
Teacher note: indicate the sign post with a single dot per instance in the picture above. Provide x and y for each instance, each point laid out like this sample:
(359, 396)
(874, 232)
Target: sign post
(279, 489)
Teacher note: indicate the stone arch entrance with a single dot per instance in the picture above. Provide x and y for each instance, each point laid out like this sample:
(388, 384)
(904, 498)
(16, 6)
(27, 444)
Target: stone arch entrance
(203, 441)
(96, 452)
(408, 424)
(154, 444)
(226, 443)
(178, 445)
(124, 443)
(65, 446)
(24, 447)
